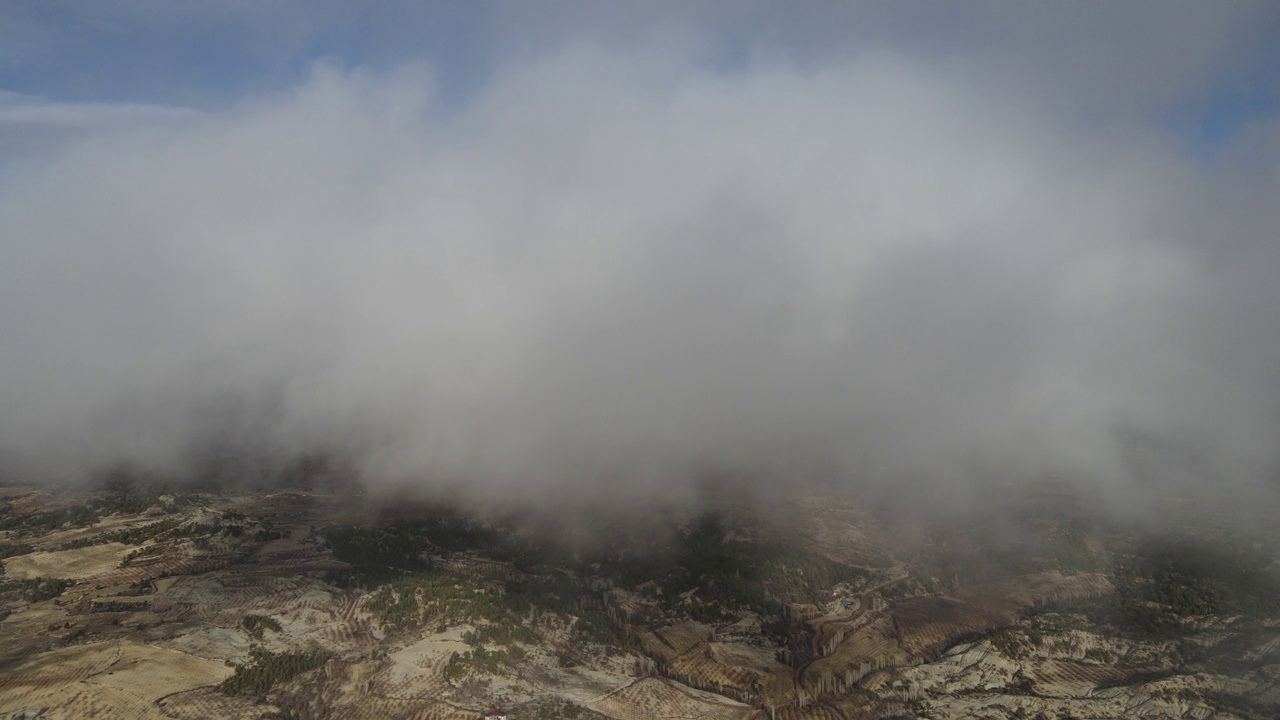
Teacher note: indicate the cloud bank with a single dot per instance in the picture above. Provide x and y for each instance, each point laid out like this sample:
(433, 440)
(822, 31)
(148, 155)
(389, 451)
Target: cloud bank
(620, 269)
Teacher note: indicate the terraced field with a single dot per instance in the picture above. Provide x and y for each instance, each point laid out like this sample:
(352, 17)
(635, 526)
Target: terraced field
(334, 609)
(660, 698)
(108, 679)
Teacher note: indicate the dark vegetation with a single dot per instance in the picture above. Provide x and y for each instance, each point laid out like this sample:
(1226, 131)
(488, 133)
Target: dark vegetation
(501, 634)
(266, 669)
(555, 710)
(719, 570)
(41, 590)
(149, 551)
(435, 599)
(726, 575)
(478, 659)
(377, 554)
(159, 530)
(140, 534)
(47, 521)
(1168, 581)
(964, 554)
(1164, 583)
(381, 554)
(117, 490)
(256, 624)
(267, 533)
(232, 524)
(8, 551)
(164, 529)
(1015, 643)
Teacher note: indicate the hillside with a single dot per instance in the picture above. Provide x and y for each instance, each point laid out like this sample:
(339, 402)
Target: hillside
(311, 604)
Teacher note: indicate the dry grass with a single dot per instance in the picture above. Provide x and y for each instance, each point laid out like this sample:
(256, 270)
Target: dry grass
(79, 564)
(107, 679)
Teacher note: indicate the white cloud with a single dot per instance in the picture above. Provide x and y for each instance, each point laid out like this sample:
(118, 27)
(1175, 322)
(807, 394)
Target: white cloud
(36, 112)
(613, 265)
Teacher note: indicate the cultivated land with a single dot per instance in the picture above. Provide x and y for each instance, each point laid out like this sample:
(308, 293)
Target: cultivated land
(145, 603)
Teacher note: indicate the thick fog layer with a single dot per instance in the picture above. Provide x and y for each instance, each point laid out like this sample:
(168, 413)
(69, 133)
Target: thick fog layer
(624, 268)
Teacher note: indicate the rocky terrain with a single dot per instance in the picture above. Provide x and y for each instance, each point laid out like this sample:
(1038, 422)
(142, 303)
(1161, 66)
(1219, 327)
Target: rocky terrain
(138, 601)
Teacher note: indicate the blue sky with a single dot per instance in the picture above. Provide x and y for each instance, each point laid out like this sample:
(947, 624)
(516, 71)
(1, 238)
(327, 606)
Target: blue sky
(1230, 102)
(1204, 70)
(208, 57)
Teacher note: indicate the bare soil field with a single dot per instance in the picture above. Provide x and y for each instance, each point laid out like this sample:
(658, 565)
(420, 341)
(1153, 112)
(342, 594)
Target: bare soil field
(78, 564)
(118, 678)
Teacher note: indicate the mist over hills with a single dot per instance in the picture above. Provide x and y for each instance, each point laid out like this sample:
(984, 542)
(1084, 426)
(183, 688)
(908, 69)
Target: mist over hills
(617, 268)
(601, 361)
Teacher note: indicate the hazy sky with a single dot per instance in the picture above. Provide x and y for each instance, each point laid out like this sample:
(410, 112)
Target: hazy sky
(531, 246)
